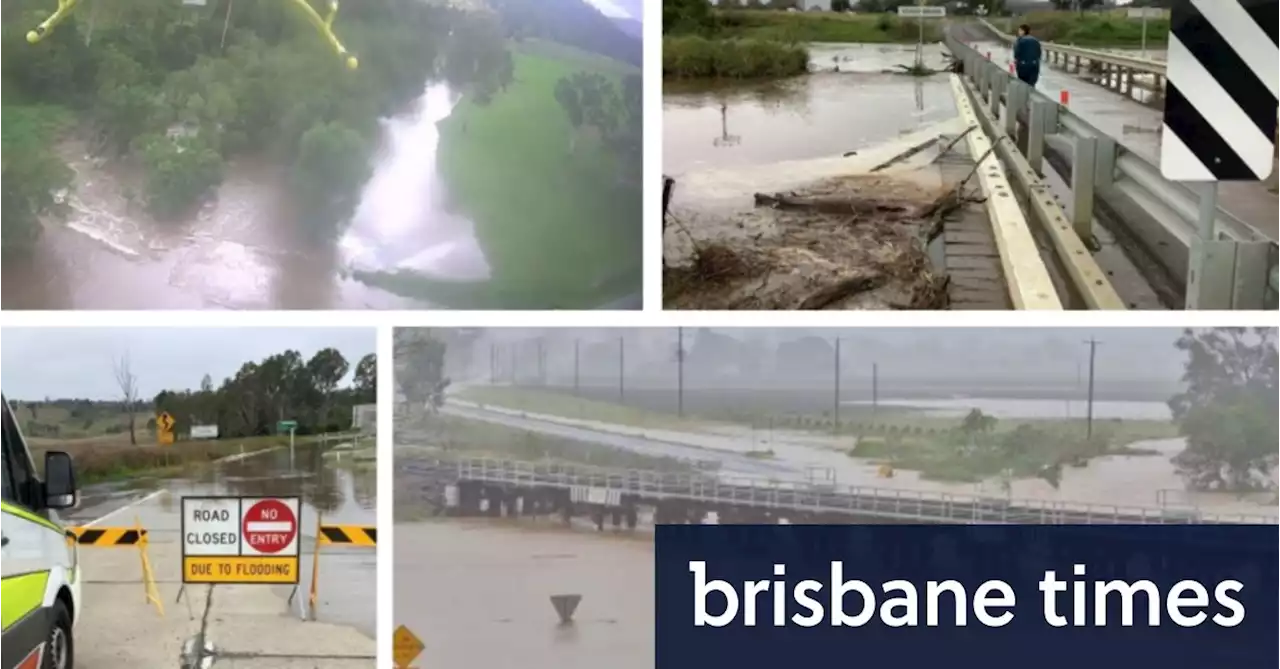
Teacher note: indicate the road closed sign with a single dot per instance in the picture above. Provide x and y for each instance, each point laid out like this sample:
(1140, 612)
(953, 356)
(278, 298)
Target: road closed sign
(240, 539)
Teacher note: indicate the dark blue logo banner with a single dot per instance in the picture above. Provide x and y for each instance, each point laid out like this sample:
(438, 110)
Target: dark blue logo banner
(994, 596)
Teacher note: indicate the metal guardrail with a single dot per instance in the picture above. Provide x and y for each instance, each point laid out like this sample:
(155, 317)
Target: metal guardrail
(1143, 65)
(820, 496)
(1127, 183)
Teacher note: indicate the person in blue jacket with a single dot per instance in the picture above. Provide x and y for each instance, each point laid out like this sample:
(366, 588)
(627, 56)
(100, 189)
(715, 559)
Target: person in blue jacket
(1026, 56)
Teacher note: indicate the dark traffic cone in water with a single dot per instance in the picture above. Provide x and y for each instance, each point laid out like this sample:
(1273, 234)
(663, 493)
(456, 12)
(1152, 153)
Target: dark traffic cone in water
(565, 605)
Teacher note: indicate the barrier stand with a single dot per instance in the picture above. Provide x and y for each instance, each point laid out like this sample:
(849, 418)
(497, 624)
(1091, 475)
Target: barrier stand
(122, 537)
(342, 535)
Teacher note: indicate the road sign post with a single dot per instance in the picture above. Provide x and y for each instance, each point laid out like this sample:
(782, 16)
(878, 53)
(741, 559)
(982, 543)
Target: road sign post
(291, 426)
(921, 12)
(1219, 123)
(240, 540)
(1145, 13)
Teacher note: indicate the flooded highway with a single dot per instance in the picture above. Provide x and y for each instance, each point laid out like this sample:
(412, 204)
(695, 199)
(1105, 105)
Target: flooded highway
(246, 247)
(848, 103)
(343, 493)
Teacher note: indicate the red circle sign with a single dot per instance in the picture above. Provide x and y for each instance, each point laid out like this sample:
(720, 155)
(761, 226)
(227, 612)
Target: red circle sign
(269, 526)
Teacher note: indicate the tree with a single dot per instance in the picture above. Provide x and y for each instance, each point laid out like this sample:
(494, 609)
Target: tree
(1227, 411)
(419, 361)
(841, 5)
(323, 372)
(331, 169)
(128, 384)
(366, 379)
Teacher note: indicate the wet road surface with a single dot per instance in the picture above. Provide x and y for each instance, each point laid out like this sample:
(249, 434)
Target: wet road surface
(254, 626)
(815, 116)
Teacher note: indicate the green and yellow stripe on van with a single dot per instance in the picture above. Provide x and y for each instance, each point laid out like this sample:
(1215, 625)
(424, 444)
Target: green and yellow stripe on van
(20, 595)
(20, 512)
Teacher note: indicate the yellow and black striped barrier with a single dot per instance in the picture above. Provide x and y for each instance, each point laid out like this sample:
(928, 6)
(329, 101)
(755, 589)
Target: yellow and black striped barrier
(122, 537)
(349, 535)
(129, 537)
(336, 535)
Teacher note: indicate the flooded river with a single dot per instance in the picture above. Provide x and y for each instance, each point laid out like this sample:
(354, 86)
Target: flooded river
(849, 102)
(244, 248)
(341, 494)
(478, 595)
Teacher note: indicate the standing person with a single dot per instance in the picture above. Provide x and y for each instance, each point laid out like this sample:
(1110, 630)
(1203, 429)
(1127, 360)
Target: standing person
(1026, 56)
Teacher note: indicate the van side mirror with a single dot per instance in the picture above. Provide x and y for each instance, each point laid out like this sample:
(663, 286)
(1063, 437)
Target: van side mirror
(59, 481)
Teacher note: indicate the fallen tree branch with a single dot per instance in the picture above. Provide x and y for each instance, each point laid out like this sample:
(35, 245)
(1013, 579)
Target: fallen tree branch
(906, 154)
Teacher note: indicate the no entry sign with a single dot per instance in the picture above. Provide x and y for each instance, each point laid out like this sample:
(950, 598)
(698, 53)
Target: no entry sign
(269, 527)
(240, 539)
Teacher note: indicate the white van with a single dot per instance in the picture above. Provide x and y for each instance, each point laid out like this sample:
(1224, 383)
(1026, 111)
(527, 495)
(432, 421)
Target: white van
(41, 580)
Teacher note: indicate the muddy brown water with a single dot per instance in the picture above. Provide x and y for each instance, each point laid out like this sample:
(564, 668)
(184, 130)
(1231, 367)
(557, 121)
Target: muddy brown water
(824, 114)
(245, 248)
(343, 495)
(478, 595)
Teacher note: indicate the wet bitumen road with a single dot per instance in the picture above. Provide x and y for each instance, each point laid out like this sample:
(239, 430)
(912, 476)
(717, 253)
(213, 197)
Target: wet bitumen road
(251, 626)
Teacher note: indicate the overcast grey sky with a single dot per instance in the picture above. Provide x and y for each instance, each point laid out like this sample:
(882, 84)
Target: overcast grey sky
(77, 362)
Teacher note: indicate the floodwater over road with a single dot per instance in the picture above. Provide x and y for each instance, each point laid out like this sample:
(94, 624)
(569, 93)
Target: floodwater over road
(343, 495)
(478, 595)
(1009, 409)
(245, 247)
(848, 103)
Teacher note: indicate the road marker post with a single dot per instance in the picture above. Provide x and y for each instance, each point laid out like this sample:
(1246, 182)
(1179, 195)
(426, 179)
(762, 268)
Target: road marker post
(315, 569)
(1221, 98)
(152, 591)
(920, 12)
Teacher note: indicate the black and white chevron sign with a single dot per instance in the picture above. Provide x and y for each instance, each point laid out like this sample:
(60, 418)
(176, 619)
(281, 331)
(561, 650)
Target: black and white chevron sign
(1221, 99)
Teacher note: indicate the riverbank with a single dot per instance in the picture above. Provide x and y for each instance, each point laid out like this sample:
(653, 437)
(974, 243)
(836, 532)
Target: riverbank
(823, 27)
(695, 57)
(556, 207)
(968, 448)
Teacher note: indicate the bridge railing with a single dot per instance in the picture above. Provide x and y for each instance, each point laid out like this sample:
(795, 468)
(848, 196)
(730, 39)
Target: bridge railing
(1143, 65)
(1161, 215)
(759, 491)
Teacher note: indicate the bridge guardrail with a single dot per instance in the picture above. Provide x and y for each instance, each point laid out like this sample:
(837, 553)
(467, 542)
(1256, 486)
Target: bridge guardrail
(1143, 65)
(1126, 182)
(743, 488)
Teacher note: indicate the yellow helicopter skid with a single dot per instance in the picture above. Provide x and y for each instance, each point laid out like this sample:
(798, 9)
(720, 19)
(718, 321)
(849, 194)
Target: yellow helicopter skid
(323, 25)
(43, 30)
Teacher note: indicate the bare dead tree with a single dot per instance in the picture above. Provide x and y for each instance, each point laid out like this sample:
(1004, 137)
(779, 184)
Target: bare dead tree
(128, 384)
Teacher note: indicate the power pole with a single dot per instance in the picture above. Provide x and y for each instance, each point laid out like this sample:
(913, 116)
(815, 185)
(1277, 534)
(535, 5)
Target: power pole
(575, 367)
(1093, 353)
(493, 365)
(835, 409)
(680, 372)
(542, 364)
(622, 373)
(875, 388)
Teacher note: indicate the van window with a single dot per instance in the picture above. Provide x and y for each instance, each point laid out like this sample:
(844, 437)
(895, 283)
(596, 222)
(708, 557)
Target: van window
(7, 487)
(18, 477)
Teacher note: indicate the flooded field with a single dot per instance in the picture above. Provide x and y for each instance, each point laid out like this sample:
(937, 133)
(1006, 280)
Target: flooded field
(847, 104)
(345, 494)
(478, 595)
(246, 248)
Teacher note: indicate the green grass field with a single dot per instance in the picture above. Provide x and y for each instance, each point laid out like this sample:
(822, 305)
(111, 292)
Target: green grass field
(558, 229)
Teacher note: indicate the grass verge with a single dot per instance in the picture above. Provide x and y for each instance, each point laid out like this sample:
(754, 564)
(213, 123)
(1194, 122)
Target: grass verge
(111, 458)
(824, 27)
(691, 56)
(559, 228)
(460, 436)
(1091, 29)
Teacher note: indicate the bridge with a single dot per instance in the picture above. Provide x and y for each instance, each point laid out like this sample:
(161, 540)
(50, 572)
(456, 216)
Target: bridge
(1111, 180)
(484, 486)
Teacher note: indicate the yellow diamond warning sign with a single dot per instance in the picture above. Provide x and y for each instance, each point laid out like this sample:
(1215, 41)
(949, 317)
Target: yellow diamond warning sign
(406, 647)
